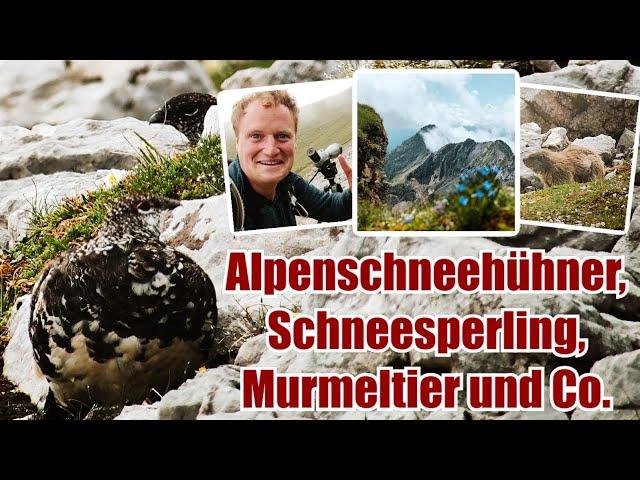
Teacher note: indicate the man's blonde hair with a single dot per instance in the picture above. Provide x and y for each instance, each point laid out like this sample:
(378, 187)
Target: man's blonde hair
(266, 99)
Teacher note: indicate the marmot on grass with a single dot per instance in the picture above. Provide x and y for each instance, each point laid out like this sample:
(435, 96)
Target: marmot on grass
(574, 164)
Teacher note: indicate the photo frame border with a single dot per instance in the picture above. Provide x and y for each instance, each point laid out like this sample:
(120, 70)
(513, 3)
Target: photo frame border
(225, 166)
(430, 233)
(634, 160)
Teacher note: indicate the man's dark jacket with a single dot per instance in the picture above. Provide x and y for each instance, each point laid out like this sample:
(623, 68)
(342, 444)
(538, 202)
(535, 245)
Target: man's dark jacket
(262, 213)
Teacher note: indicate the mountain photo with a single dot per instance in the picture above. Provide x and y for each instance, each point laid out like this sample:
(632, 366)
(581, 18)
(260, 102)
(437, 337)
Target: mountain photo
(436, 151)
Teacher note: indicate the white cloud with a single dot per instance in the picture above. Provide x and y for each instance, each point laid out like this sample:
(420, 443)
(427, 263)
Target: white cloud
(405, 101)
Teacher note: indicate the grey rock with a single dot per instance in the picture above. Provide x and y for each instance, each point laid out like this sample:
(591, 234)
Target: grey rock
(310, 362)
(213, 391)
(139, 412)
(81, 146)
(583, 62)
(581, 114)
(629, 246)
(19, 365)
(603, 145)
(251, 351)
(546, 65)
(616, 414)
(621, 377)
(609, 175)
(617, 76)
(56, 92)
(556, 139)
(282, 72)
(529, 180)
(224, 395)
(532, 236)
(18, 198)
(531, 138)
(626, 140)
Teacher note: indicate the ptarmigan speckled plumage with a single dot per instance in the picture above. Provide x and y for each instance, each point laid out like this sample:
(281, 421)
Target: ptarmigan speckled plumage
(122, 314)
(193, 114)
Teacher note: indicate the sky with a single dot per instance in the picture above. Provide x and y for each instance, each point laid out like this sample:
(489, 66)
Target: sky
(461, 105)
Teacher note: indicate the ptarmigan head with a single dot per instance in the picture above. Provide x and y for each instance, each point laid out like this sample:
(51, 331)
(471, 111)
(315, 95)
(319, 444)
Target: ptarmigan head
(186, 112)
(138, 216)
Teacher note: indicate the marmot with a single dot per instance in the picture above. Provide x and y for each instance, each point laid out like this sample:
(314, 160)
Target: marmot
(574, 164)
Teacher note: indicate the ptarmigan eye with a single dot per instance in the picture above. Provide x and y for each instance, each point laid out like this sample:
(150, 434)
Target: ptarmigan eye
(144, 206)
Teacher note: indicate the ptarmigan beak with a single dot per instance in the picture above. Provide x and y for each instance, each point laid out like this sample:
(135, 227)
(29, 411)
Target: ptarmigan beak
(157, 117)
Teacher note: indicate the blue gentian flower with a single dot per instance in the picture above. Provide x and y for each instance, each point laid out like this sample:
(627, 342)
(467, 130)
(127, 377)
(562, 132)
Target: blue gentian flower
(484, 171)
(487, 185)
(495, 170)
(479, 194)
(463, 201)
(461, 187)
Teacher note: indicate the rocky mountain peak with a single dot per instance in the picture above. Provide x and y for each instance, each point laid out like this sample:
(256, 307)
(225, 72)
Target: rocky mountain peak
(406, 156)
(441, 169)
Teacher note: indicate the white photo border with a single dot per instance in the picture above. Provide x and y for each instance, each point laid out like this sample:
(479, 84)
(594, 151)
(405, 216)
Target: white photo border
(634, 160)
(225, 166)
(452, 233)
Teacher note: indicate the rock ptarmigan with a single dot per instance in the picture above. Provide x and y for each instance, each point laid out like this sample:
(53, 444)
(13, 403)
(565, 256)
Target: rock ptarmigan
(193, 114)
(123, 313)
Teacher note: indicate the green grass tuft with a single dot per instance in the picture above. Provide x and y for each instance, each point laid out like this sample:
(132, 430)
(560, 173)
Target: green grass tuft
(599, 204)
(367, 116)
(425, 217)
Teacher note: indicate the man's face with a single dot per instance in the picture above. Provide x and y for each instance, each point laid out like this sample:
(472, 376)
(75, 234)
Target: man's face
(266, 143)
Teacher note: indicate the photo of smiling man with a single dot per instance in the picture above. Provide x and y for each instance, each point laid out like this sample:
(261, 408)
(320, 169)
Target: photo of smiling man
(266, 193)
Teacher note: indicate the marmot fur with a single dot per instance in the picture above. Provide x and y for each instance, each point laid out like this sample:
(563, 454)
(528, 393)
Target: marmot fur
(574, 164)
